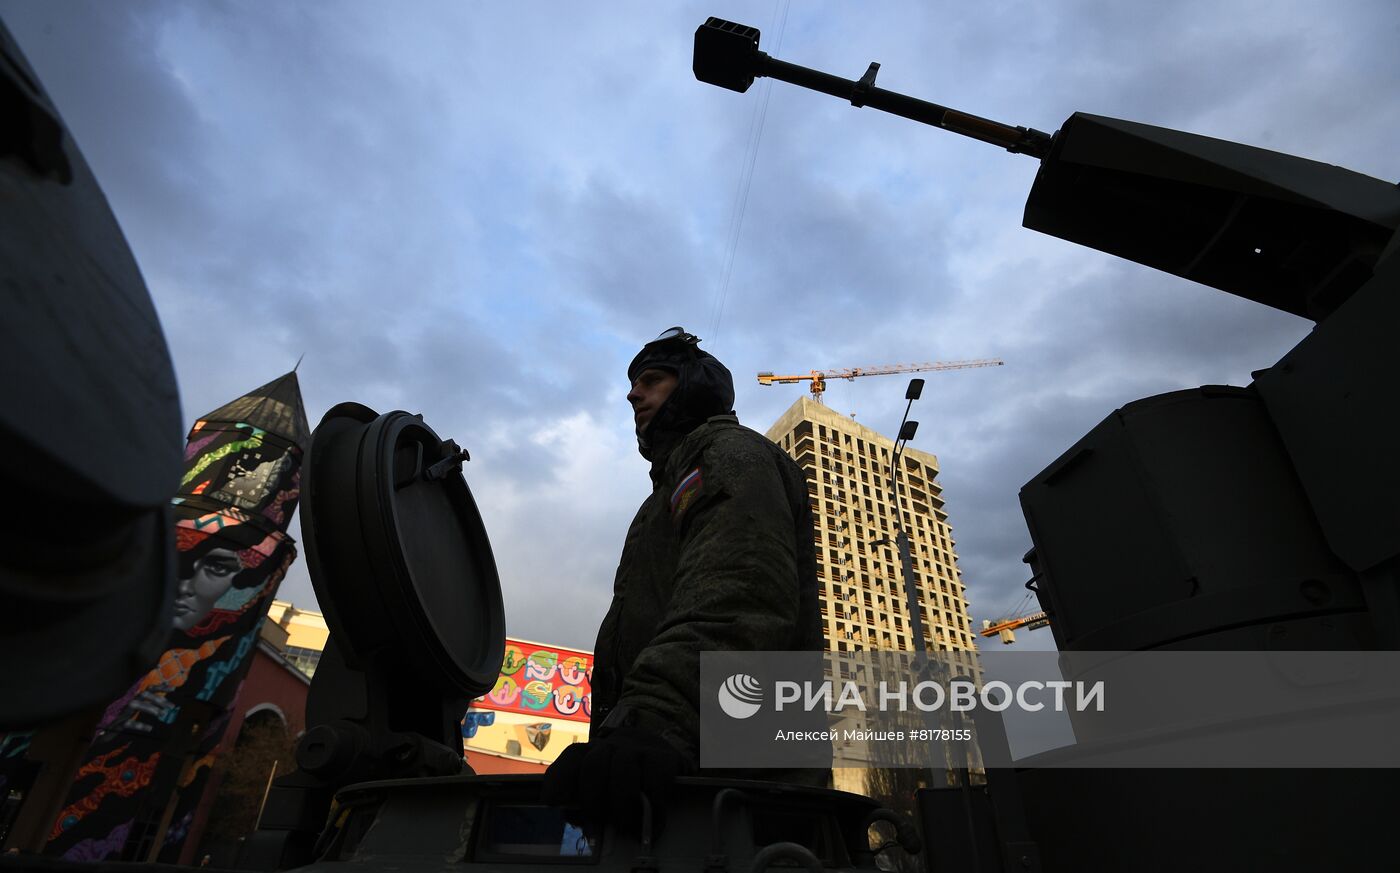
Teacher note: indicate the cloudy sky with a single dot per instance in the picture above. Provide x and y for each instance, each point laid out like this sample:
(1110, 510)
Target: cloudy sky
(480, 211)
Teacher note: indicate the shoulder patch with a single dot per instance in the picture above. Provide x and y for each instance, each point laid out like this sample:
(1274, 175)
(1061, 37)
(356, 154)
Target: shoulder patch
(685, 494)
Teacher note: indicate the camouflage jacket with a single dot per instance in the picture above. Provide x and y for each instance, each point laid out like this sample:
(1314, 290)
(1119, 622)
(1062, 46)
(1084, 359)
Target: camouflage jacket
(719, 557)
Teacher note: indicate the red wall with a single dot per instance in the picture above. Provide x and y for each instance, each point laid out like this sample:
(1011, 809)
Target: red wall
(487, 764)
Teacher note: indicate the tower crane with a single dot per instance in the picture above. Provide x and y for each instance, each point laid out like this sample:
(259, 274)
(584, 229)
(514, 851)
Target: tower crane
(1005, 628)
(819, 377)
(1019, 617)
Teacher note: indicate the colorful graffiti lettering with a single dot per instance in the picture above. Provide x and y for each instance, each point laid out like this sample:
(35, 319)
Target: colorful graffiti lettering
(536, 695)
(505, 692)
(541, 665)
(569, 698)
(574, 670)
(514, 660)
(555, 682)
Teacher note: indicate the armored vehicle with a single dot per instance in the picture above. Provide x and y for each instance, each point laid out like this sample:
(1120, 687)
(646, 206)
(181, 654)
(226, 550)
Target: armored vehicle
(1259, 518)
(1254, 518)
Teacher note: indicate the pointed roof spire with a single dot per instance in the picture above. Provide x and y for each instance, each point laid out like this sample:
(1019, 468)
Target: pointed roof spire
(275, 407)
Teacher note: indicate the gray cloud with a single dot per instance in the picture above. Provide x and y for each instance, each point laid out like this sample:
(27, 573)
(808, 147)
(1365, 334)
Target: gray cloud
(480, 212)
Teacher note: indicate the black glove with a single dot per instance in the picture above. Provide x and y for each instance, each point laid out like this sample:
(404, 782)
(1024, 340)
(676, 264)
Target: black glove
(607, 778)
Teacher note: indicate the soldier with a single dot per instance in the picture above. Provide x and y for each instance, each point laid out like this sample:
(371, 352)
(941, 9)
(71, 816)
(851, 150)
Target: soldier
(719, 557)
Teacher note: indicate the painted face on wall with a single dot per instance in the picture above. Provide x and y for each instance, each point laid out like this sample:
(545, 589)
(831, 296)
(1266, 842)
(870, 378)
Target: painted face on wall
(213, 576)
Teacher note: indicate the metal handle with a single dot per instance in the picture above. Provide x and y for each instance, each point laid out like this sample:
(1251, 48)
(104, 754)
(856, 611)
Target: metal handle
(452, 458)
(904, 832)
(717, 859)
(795, 851)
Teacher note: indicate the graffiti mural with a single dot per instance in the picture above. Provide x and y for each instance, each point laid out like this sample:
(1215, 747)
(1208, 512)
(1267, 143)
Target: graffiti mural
(537, 735)
(155, 746)
(474, 721)
(17, 775)
(546, 681)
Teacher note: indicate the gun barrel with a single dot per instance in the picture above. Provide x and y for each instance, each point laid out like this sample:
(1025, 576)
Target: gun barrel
(862, 92)
(727, 55)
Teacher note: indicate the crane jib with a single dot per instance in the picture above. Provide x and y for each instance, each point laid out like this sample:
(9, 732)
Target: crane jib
(818, 377)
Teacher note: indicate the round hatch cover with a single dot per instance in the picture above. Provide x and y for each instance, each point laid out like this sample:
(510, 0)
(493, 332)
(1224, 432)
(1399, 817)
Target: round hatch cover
(397, 551)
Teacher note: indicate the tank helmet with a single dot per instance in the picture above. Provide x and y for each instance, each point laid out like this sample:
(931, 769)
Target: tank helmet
(704, 386)
(669, 351)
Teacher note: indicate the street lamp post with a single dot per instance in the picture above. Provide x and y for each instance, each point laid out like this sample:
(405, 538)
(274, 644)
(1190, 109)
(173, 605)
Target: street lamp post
(907, 429)
(999, 781)
(921, 665)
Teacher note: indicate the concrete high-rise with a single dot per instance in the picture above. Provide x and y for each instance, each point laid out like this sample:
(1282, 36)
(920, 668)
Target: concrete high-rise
(863, 601)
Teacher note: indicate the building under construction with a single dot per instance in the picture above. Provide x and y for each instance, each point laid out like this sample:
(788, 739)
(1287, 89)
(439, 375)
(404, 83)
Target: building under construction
(855, 515)
(862, 595)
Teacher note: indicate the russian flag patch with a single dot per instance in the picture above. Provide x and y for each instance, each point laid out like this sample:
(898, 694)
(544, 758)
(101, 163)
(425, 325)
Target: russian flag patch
(684, 494)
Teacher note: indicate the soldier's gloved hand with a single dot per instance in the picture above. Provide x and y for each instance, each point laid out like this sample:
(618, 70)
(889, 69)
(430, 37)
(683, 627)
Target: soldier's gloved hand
(606, 778)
